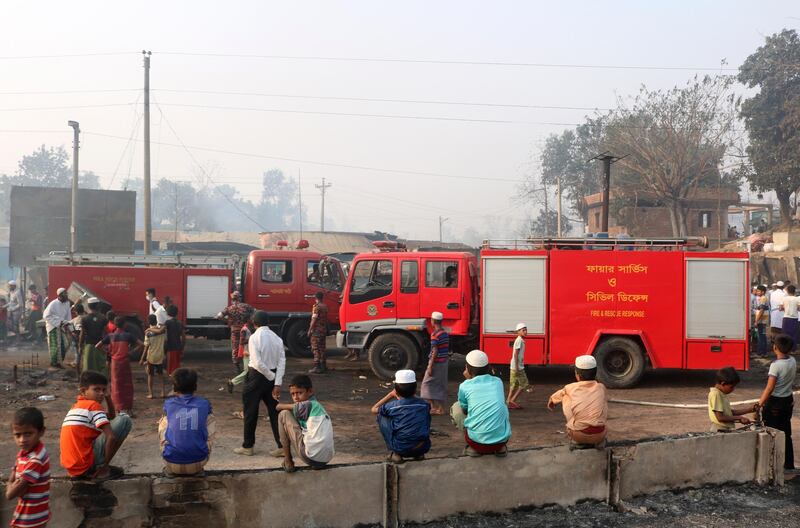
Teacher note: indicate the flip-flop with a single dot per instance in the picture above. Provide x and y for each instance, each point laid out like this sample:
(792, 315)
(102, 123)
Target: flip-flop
(515, 406)
(288, 469)
(238, 414)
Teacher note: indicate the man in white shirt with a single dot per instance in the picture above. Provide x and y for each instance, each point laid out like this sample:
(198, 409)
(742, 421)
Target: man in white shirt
(56, 315)
(775, 313)
(267, 364)
(14, 308)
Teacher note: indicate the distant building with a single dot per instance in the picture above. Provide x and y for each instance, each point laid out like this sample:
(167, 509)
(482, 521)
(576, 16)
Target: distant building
(643, 216)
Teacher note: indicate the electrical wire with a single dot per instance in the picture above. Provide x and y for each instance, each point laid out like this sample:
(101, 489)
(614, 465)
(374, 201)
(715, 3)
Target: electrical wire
(71, 107)
(319, 163)
(134, 130)
(380, 100)
(448, 62)
(68, 55)
(57, 92)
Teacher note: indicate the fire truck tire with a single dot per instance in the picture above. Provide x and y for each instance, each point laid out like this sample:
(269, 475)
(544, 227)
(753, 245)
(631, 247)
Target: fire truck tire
(297, 339)
(620, 362)
(391, 352)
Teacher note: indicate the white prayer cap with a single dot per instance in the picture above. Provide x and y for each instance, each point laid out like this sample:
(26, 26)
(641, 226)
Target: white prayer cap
(405, 376)
(520, 326)
(12, 283)
(585, 362)
(93, 300)
(779, 284)
(60, 291)
(437, 316)
(477, 359)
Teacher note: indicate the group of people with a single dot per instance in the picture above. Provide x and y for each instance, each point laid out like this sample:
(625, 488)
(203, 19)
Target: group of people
(774, 311)
(13, 312)
(92, 433)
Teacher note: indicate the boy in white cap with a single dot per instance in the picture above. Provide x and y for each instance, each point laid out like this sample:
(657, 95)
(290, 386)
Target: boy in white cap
(585, 405)
(404, 420)
(518, 380)
(434, 384)
(775, 313)
(481, 411)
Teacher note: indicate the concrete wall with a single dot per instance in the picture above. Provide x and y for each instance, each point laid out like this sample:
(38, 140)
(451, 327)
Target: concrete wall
(384, 494)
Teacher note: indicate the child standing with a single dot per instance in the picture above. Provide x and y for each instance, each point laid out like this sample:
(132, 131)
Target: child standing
(518, 380)
(120, 345)
(584, 404)
(187, 428)
(480, 410)
(176, 339)
(404, 420)
(777, 400)
(305, 426)
(153, 355)
(88, 439)
(722, 417)
(29, 481)
(434, 384)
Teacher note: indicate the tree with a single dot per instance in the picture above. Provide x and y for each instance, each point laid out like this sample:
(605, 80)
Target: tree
(772, 117)
(278, 208)
(673, 142)
(181, 202)
(546, 225)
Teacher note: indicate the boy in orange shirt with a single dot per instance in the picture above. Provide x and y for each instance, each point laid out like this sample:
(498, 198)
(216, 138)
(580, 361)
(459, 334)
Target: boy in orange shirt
(89, 440)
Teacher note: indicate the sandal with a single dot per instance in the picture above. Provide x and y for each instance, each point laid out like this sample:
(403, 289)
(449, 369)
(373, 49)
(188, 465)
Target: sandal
(287, 468)
(514, 405)
(394, 458)
(238, 414)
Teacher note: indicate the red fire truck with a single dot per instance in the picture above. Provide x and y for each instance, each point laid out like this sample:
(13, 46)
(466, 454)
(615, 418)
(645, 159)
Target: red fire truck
(631, 303)
(283, 282)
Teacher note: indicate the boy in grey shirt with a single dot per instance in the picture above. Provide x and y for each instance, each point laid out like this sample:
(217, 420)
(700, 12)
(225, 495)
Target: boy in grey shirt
(777, 400)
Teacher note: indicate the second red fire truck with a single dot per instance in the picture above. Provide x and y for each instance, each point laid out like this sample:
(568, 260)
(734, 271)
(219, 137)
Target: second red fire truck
(630, 303)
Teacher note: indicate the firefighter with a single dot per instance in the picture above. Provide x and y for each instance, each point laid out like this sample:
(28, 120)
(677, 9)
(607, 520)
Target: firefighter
(318, 333)
(236, 315)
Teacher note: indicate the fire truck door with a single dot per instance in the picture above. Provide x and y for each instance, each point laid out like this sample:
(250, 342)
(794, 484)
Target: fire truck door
(514, 291)
(372, 298)
(440, 290)
(276, 286)
(323, 275)
(408, 294)
(716, 313)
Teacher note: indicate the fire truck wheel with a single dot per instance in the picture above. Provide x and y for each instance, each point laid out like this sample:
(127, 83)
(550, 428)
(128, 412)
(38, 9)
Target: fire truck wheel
(297, 339)
(620, 363)
(390, 353)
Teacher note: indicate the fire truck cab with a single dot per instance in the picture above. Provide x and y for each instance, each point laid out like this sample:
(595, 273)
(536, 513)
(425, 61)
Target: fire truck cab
(389, 298)
(630, 303)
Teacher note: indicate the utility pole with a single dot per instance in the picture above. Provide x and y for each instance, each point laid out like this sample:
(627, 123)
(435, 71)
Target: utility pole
(442, 220)
(148, 227)
(607, 158)
(546, 212)
(73, 224)
(176, 213)
(558, 205)
(323, 187)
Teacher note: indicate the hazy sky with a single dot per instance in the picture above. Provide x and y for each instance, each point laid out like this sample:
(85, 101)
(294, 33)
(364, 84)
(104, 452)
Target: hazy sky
(489, 158)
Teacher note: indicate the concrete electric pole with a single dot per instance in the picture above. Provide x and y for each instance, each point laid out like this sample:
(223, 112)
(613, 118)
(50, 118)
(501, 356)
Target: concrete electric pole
(73, 224)
(442, 220)
(148, 227)
(322, 188)
(607, 158)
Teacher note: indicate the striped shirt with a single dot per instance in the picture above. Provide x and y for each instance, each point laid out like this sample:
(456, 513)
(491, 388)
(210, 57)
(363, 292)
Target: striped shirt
(121, 343)
(80, 428)
(33, 508)
(440, 345)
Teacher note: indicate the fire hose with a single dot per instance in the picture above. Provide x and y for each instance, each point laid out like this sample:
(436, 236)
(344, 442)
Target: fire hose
(682, 405)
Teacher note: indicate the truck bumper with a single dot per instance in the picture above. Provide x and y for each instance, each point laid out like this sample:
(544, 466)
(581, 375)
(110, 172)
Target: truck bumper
(339, 339)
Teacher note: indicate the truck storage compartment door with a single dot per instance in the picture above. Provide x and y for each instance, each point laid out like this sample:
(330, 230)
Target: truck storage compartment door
(716, 313)
(206, 295)
(514, 291)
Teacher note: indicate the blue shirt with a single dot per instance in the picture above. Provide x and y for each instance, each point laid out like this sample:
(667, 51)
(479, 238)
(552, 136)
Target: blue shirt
(187, 433)
(410, 422)
(484, 402)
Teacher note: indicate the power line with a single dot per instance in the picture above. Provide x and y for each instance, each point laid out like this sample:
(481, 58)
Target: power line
(319, 163)
(450, 62)
(67, 55)
(352, 114)
(71, 107)
(53, 92)
(382, 100)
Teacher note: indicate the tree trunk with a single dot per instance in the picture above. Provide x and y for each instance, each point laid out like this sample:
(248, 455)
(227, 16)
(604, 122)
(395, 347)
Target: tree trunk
(683, 229)
(674, 218)
(785, 205)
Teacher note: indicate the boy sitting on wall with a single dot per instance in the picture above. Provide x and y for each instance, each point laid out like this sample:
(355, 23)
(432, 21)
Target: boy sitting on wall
(481, 410)
(404, 419)
(305, 426)
(585, 405)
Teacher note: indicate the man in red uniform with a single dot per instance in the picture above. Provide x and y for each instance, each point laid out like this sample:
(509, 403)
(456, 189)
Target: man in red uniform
(236, 315)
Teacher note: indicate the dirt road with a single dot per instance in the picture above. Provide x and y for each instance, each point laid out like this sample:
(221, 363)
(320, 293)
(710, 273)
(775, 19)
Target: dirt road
(347, 393)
